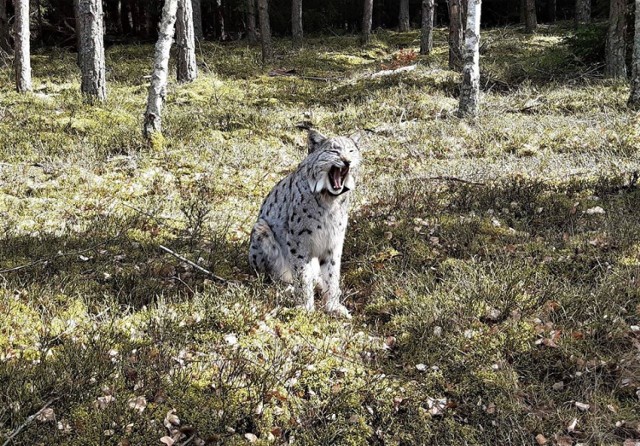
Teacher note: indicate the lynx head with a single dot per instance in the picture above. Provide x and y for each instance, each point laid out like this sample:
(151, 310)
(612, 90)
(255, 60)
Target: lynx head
(332, 163)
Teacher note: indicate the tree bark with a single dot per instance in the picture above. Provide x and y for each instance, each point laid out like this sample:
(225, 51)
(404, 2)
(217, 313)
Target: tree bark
(220, 15)
(91, 36)
(531, 20)
(583, 11)
(523, 11)
(426, 36)
(197, 19)
(455, 35)
(367, 17)
(125, 19)
(615, 66)
(296, 22)
(403, 17)
(470, 90)
(158, 88)
(5, 42)
(265, 31)
(187, 70)
(22, 59)
(252, 35)
(634, 97)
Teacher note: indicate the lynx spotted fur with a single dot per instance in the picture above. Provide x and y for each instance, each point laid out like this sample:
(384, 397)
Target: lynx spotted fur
(299, 234)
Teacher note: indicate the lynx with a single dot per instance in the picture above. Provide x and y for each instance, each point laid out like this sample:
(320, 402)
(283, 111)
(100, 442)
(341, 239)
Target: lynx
(299, 235)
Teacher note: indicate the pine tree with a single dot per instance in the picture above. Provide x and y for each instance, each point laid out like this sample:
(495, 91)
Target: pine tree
(265, 31)
(187, 70)
(91, 50)
(615, 65)
(426, 35)
(367, 17)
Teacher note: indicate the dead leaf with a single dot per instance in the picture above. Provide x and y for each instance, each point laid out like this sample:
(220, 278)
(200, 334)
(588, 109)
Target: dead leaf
(171, 419)
(138, 403)
(251, 437)
(582, 406)
(572, 426)
(541, 439)
(563, 440)
(47, 414)
(167, 440)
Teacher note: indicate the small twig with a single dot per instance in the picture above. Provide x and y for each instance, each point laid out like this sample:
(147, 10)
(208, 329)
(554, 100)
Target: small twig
(443, 178)
(29, 420)
(195, 265)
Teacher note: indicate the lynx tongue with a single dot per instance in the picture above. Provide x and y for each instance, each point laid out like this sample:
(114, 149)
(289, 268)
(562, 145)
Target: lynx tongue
(337, 176)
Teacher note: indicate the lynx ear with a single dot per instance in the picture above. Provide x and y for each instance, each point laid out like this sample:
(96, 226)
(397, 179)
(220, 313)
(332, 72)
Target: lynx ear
(355, 137)
(315, 140)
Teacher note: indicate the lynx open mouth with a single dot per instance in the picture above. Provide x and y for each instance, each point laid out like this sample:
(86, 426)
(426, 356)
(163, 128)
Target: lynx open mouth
(337, 176)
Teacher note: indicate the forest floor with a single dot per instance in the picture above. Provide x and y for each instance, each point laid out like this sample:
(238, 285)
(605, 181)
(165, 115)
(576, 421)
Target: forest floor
(492, 267)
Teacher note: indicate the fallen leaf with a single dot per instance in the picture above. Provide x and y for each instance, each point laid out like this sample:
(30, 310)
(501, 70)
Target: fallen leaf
(558, 386)
(563, 440)
(167, 440)
(572, 426)
(47, 414)
(251, 437)
(595, 210)
(138, 403)
(541, 439)
(582, 406)
(421, 367)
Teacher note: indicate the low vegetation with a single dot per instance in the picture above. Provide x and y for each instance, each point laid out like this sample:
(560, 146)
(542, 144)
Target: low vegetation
(492, 267)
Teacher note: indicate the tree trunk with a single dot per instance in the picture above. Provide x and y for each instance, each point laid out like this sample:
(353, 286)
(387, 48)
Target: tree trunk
(470, 91)
(197, 19)
(403, 17)
(530, 19)
(220, 14)
(615, 66)
(112, 20)
(265, 31)
(552, 9)
(523, 11)
(583, 11)
(125, 19)
(426, 36)
(455, 35)
(634, 97)
(252, 36)
(158, 87)
(22, 59)
(5, 42)
(296, 22)
(187, 69)
(91, 35)
(367, 17)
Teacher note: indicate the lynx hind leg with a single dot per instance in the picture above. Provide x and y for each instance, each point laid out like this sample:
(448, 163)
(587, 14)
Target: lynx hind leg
(265, 253)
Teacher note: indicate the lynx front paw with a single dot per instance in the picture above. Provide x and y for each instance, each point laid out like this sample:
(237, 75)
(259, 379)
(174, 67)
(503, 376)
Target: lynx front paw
(338, 309)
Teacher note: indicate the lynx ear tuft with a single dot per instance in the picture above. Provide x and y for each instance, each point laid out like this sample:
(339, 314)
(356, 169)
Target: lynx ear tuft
(355, 137)
(315, 140)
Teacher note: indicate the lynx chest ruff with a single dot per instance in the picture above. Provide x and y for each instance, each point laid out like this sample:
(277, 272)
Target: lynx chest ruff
(300, 231)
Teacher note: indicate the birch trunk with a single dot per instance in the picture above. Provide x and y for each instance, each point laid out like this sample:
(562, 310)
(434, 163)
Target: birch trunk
(403, 17)
(367, 17)
(530, 17)
(91, 50)
(22, 59)
(158, 88)
(634, 97)
(426, 36)
(187, 70)
(296, 22)
(252, 36)
(470, 91)
(197, 19)
(455, 35)
(583, 11)
(5, 44)
(615, 66)
(265, 31)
